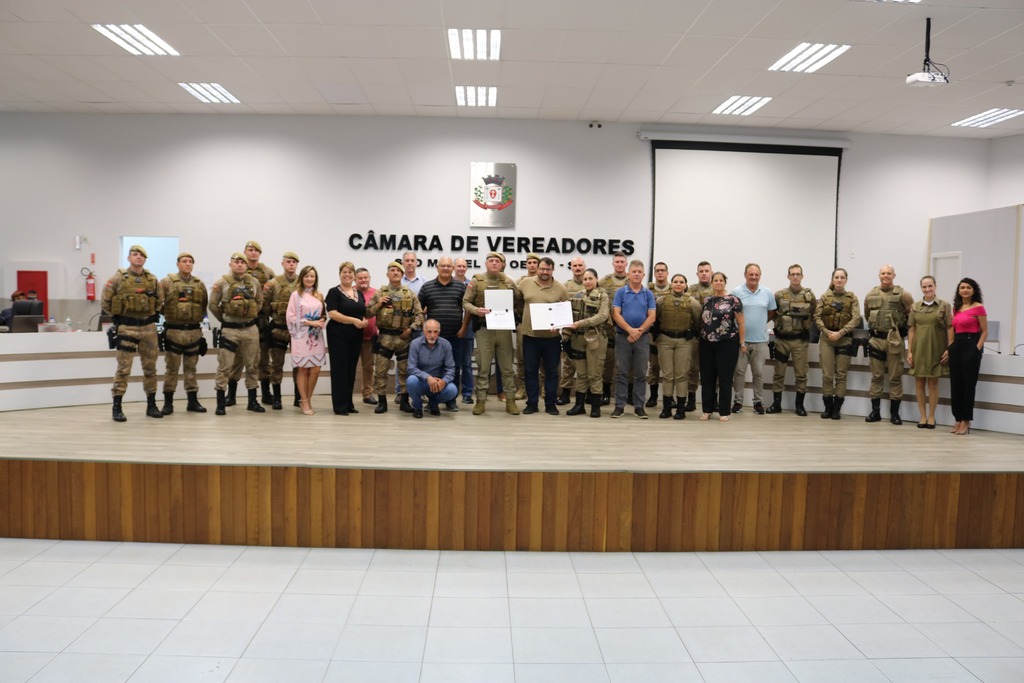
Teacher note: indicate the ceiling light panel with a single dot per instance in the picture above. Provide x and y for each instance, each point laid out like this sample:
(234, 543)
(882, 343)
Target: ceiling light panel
(211, 93)
(808, 57)
(476, 95)
(137, 39)
(989, 118)
(479, 44)
(741, 105)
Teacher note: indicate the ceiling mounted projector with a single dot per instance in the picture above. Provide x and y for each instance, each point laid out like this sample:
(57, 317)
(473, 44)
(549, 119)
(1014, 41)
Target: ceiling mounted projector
(931, 72)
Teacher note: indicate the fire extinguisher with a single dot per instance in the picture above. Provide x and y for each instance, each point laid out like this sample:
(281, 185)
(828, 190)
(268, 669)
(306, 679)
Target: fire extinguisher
(90, 284)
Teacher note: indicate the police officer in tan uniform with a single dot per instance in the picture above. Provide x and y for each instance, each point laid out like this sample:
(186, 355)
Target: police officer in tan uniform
(263, 274)
(276, 294)
(586, 342)
(886, 310)
(701, 291)
(793, 319)
(660, 286)
(837, 315)
(573, 286)
(236, 300)
(678, 315)
(133, 297)
(185, 302)
(491, 343)
(611, 283)
(398, 314)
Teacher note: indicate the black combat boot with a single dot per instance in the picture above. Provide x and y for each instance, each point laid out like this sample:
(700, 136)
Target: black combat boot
(194, 406)
(563, 398)
(151, 409)
(168, 403)
(836, 407)
(653, 400)
(829, 402)
(691, 402)
(894, 412)
(776, 406)
(382, 404)
(680, 410)
(266, 396)
(595, 405)
(581, 402)
(606, 394)
(229, 400)
(118, 413)
(221, 402)
(876, 411)
(800, 410)
(666, 408)
(403, 403)
(254, 405)
(277, 397)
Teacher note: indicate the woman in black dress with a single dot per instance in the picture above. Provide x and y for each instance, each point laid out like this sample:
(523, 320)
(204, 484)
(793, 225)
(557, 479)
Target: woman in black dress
(346, 312)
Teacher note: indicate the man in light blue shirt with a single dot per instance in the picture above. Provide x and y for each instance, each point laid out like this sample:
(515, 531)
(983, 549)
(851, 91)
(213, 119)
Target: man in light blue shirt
(633, 311)
(431, 370)
(758, 308)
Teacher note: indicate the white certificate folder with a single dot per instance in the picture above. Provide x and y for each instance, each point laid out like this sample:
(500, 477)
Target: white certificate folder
(501, 317)
(548, 316)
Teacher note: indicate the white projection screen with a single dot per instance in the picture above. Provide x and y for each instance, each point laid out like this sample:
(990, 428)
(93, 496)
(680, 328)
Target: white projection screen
(735, 204)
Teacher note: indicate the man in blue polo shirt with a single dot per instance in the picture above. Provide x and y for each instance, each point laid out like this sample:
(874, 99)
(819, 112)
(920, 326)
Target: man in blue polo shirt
(633, 310)
(758, 308)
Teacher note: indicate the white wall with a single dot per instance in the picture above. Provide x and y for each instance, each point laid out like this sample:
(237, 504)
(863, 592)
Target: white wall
(1006, 187)
(305, 183)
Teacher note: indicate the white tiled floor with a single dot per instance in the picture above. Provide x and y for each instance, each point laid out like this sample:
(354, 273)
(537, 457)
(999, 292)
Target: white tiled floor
(109, 612)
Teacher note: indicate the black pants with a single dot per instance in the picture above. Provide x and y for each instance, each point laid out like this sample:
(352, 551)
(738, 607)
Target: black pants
(344, 342)
(717, 365)
(964, 365)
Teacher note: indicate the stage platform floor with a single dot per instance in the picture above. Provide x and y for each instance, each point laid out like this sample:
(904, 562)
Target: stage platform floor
(497, 442)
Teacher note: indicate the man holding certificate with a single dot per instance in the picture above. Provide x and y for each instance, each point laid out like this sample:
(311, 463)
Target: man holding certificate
(492, 299)
(542, 344)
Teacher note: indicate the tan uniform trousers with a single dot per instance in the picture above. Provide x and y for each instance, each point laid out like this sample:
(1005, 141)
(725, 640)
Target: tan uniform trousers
(491, 344)
(262, 356)
(796, 351)
(173, 360)
(397, 350)
(147, 349)
(568, 372)
(654, 373)
(230, 363)
(366, 367)
(676, 356)
(834, 366)
(589, 371)
(609, 358)
(694, 368)
(277, 353)
(891, 368)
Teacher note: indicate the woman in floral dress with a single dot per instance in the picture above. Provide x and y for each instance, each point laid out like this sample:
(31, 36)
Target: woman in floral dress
(721, 336)
(306, 321)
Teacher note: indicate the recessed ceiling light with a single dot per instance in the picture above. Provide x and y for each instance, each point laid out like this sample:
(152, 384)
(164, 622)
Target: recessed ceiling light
(808, 57)
(137, 39)
(742, 105)
(211, 93)
(476, 95)
(467, 43)
(989, 118)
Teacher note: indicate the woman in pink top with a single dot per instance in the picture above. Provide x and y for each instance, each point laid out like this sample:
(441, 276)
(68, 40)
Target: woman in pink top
(306, 321)
(970, 328)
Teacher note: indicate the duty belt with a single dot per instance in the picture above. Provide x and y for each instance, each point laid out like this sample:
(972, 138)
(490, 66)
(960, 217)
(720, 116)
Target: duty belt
(238, 326)
(793, 335)
(138, 322)
(390, 330)
(189, 326)
(883, 335)
(677, 335)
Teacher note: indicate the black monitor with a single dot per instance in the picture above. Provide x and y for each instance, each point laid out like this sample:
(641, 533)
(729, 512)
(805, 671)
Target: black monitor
(27, 307)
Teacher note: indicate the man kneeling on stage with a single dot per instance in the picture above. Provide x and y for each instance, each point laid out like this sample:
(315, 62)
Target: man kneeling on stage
(431, 370)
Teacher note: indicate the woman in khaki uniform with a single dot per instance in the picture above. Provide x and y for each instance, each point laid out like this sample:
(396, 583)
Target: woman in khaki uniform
(588, 343)
(929, 333)
(837, 315)
(678, 316)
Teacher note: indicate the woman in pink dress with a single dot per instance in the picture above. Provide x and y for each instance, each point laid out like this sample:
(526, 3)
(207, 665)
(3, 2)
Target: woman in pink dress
(970, 328)
(306, 321)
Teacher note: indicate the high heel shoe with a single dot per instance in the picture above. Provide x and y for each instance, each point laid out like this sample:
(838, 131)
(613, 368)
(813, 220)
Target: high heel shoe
(306, 408)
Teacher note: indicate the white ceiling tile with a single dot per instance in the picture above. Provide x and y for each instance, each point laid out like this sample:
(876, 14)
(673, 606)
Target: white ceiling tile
(726, 81)
(226, 69)
(796, 21)
(40, 91)
(353, 12)
(523, 73)
(756, 53)
(1010, 70)
(275, 69)
(472, 14)
(550, 14)
(529, 45)
(602, 115)
(432, 95)
(475, 72)
(724, 18)
(128, 67)
(34, 10)
(680, 118)
(157, 12)
(79, 91)
(566, 98)
(910, 29)
(618, 76)
(305, 40)
(653, 100)
(360, 41)
(856, 21)
(696, 104)
(588, 46)
(394, 110)
(408, 13)
(555, 114)
(101, 11)
(221, 11)
(1009, 40)
(602, 98)
(325, 69)
(271, 108)
(602, 15)
(255, 93)
(387, 93)
(434, 110)
(674, 78)
(353, 109)
(417, 42)
(520, 96)
(81, 68)
(247, 40)
(426, 71)
(700, 51)
(645, 48)
(293, 92)
(343, 93)
(376, 70)
(283, 11)
(971, 62)
(190, 39)
(181, 69)
(113, 108)
(28, 67)
(665, 15)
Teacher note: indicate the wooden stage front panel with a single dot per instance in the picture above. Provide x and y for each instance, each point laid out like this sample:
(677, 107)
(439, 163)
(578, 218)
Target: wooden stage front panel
(473, 510)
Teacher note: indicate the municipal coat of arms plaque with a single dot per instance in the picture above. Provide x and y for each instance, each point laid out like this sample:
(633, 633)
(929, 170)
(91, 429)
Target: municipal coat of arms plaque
(492, 195)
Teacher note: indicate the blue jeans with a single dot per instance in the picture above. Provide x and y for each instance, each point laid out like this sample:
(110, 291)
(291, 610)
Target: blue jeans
(631, 359)
(418, 389)
(462, 350)
(538, 350)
